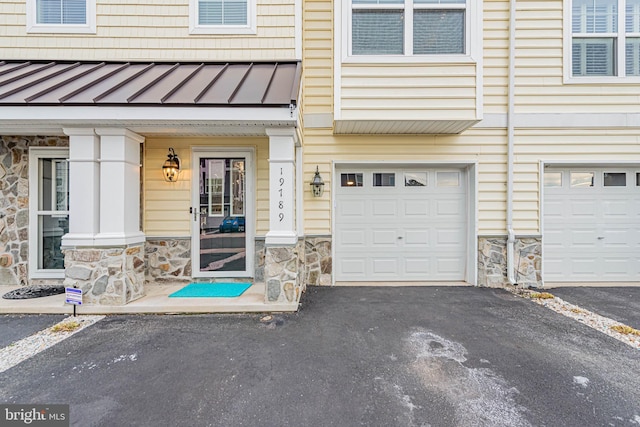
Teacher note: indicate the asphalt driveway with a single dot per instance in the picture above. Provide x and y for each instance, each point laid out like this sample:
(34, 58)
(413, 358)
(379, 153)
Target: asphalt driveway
(621, 304)
(350, 357)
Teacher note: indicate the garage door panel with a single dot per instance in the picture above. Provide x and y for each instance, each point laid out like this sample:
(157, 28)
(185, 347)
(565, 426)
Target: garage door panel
(352, 208)
(583, 208)
(449, 208)
(385, 265)
(591, 234)
(417, 265)
(384, 208)
(385, 237)
(417, 237)
(398, 233)
(416, 209)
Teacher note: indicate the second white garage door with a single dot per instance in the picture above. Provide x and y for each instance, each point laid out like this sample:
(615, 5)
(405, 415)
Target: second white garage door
(400, 224)
(591, 225)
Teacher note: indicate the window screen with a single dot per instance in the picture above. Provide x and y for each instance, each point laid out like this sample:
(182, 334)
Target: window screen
(438, 31)
(222, 12)
(378, 32)
(61, 11)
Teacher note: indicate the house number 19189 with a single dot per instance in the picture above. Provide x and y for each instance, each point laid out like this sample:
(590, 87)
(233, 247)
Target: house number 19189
(281, 201)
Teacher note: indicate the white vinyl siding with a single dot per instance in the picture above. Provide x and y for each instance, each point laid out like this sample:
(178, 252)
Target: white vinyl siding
(605, 38)
(408, 27)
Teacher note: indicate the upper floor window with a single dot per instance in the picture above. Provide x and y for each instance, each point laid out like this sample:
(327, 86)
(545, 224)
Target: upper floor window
(61, 16)
(605, 38)
(222, 16)
(408, 27)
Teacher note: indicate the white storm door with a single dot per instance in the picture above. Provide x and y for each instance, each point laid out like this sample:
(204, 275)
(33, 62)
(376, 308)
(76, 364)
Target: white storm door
(222, 214)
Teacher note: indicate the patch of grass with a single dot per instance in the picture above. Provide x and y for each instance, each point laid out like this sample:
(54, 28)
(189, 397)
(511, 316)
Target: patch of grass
(541, 295)
(626, 330)
(66, 326)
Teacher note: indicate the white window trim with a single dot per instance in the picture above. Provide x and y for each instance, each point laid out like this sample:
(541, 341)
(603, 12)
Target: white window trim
(620, 36)
(195, 28)
(88, 28)
(35, 154)
(473, 26)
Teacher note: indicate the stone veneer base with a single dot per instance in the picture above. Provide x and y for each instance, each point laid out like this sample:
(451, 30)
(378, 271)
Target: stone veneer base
(492, 262)
(107, 276)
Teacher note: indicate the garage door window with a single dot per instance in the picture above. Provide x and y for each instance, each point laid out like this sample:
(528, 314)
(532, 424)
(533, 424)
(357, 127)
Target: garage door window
(582, 179)
(351, 180)
(553, 179)
(384, 179)
(448, 179)
(615, 179)
(415, 179)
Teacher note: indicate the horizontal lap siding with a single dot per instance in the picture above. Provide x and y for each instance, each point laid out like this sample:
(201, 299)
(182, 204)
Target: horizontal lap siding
(539, 69)
(496, 51)
(150, 30)
(166, 205)
(589, 146)
(488, 147)
(408, 92)
(317, 38)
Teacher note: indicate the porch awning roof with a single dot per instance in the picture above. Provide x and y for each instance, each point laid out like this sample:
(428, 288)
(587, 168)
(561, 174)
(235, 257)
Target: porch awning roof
(175, 84)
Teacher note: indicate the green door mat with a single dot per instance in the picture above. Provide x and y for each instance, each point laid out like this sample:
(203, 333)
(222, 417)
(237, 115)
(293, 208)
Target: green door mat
(211, 290)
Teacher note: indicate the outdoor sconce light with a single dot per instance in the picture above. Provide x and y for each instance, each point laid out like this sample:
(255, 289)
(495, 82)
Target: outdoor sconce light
(317, 184)
(171, 167)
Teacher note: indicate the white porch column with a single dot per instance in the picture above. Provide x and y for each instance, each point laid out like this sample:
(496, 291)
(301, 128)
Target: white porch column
(282, 224)
(119, 187)
(84, 187)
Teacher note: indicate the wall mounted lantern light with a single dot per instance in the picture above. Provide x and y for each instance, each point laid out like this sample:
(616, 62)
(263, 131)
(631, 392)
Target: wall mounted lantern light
(171, 167)
(317, 184)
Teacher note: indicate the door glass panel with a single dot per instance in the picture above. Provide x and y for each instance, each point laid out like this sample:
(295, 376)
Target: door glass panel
(53, 212)
(222, 214)
(415, 179)
(582, 179)
(351, 180)
(448, 179)
(553, 179)
(51, 228)
(615, 179)
(384, 179)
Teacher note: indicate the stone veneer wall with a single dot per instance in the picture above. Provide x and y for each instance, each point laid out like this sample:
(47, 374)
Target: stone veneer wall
(14, 204)
(492, 262)
(168, 260)
(284, 273)
(107, 276)
(317, 259)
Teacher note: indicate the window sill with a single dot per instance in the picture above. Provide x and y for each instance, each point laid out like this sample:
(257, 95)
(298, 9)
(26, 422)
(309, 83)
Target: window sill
(222, 29)
(608, 80)
(62, 29)
(404, 59)
(47, 274)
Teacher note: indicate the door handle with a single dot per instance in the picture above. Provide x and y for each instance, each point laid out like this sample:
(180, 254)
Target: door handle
(600, 237)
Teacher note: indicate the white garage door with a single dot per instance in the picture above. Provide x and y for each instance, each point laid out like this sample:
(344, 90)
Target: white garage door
(400, 224)
(591, 225)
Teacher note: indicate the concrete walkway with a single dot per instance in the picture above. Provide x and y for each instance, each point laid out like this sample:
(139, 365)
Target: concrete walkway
(155, 301)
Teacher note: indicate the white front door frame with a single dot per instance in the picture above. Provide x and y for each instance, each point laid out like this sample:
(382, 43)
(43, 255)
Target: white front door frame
(250, 225)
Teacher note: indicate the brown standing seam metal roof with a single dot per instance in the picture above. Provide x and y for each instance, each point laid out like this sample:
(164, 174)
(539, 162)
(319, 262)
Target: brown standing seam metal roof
(269, 84)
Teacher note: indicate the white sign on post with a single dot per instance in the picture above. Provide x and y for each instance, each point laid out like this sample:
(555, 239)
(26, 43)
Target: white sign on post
(73, 296)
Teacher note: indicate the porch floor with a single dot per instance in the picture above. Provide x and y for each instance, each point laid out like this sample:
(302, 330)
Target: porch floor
(156, 300)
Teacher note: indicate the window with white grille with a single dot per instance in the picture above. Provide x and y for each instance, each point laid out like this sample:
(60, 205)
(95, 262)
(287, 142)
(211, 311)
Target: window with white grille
(605, 38)
(222, 16)
(61, 16)
(409, 27)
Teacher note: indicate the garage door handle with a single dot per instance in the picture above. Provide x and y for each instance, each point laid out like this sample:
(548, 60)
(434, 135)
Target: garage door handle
(600, 238)
(399, 237)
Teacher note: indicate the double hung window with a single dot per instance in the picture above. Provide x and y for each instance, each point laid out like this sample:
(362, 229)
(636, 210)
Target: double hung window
(605, 38)
(408, 27)
(222, 16)
(61, 16)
